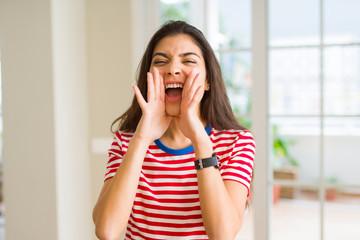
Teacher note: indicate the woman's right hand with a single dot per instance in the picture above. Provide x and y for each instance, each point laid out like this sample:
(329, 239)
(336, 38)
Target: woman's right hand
(154, 120)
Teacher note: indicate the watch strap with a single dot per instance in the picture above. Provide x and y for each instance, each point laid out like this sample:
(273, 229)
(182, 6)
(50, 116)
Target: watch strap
(206, 162)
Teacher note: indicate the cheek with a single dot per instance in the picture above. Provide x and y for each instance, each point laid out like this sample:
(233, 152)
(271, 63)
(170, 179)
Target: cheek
(161, 71)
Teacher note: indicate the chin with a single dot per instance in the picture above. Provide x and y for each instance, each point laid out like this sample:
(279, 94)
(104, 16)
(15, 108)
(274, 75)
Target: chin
(173, 112)
(172, 109)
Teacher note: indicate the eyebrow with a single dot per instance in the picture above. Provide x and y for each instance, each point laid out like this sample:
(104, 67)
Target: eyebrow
(181, 55)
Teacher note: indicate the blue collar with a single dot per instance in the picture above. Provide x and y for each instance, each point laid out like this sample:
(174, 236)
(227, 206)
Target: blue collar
(183, 151)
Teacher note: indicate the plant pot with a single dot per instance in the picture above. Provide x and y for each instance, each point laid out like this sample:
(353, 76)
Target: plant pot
(331, 194)
(276, 193)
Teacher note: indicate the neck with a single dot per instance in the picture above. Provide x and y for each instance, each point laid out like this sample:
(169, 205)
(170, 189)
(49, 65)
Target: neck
(174, 138)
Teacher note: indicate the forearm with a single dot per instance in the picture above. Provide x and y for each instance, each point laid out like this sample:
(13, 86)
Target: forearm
(113, 209)
(220, 215)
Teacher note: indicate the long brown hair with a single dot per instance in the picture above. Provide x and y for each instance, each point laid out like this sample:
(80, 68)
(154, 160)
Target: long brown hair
(214, 107)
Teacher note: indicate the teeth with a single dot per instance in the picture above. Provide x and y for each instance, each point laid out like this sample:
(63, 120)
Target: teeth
(174, 85)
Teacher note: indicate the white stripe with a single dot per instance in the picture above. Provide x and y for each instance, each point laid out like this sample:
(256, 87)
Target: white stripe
(113, 163)
(227, 177)
(237, 172)
(148, 235)
(235, 165)
(169, 196)
(168, 188)
(177, 173)
(164, 164)
(147, 201)
(167, 212)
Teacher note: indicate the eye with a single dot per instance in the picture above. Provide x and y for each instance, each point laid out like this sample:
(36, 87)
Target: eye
(189, 61)
(159, 62)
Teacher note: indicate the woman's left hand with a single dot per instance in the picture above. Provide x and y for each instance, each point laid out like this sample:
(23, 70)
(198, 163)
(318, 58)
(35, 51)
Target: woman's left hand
(189, 121)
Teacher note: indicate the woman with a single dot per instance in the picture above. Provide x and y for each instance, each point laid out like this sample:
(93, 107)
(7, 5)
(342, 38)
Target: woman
(180, 165)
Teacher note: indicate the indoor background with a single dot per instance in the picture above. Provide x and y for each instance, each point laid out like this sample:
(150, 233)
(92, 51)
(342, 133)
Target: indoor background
(292, 71)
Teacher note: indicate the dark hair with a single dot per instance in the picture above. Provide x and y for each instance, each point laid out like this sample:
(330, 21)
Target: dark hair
(214, 107)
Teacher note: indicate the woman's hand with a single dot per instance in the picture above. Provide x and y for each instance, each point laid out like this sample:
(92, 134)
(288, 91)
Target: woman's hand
(189, 122)
(154, 120)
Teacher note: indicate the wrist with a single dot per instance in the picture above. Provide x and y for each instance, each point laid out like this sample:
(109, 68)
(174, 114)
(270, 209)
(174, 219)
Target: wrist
(139, 139)
(203, 147)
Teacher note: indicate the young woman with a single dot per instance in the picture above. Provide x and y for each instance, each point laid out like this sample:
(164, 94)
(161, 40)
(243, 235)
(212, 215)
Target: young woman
(180, 165)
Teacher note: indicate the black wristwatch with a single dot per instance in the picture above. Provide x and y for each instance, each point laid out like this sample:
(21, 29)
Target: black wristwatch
(206, 162)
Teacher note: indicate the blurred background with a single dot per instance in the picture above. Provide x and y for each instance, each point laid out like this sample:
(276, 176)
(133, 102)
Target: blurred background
(292, 71)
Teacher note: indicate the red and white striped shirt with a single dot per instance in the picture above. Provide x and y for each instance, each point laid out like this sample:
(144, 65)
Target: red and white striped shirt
(167, 202)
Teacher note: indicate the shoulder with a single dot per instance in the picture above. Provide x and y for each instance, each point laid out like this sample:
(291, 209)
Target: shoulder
(123, 136)
(232, 134)
(120, 141)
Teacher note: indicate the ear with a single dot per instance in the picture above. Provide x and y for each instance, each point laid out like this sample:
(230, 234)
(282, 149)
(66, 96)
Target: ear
(207, 86)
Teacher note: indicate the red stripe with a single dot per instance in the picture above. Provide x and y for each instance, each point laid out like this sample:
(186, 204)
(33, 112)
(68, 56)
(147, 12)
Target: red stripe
(184, 176)
(237, 176)
(224, 132)
(167, 223)
(167, 200)
(116, 151)
(166, 216)
(168, 169)
(166, 208)
(168, 192)
(238, 168)
(168, 233)
(113, 158)
(117, 165)
(164, 159)
(169, 184)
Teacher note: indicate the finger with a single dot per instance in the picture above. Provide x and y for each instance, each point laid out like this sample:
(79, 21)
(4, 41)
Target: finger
(198, 95)
(157, 83)
(195, 85)
(188, 83)
(150, 82)
(162, 88)
(139, 97)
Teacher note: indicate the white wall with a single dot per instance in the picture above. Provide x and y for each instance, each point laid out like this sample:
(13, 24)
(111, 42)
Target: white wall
(110, 76)
(28, 119)
(67, 74)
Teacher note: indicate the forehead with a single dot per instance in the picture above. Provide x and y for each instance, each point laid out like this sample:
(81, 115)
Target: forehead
(177, 44)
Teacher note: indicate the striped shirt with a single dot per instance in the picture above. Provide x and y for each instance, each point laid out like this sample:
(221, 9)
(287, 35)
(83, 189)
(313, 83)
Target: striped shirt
(167, 202)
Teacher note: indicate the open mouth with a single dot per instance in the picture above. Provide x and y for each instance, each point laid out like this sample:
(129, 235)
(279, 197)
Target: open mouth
(173, 92)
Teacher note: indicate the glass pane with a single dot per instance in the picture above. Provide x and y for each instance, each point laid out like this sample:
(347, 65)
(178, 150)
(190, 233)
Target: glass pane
(175, 10)
(236, 70)
(294, 22)
(234, 23)
(295, 148)
(297, 218)
(341, 214)
(341, 21)
(294, 86)
(341, 150)
(342, 80)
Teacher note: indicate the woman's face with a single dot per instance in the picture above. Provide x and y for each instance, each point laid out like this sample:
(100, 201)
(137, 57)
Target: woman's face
(176, 57)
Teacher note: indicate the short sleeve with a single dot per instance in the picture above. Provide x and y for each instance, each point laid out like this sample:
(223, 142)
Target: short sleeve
(115, 156)
(240, 164)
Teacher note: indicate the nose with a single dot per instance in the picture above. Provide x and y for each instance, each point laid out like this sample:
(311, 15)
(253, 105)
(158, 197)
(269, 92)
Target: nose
(173, 70)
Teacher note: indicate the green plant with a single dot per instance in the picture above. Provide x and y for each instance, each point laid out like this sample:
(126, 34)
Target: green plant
(281, 152)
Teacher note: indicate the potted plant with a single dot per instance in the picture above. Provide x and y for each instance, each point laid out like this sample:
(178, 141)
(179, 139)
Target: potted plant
(331, 192)
(285, 165)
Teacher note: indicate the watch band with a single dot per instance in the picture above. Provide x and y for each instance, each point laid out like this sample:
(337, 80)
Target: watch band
(206, 162)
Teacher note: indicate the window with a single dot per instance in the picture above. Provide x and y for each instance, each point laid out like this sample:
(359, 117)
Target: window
(314, 96)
